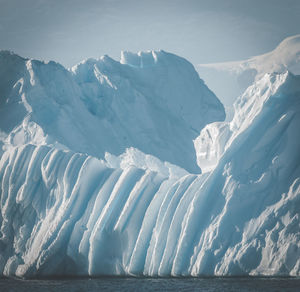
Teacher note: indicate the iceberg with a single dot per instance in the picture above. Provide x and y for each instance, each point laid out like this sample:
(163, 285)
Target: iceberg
(73, 203)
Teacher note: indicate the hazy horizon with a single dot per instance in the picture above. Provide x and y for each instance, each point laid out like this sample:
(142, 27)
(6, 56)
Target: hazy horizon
(201, 31)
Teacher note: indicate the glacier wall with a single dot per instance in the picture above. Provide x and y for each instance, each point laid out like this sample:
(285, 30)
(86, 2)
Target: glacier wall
(158, 105)
(68, 213)
(94, 168)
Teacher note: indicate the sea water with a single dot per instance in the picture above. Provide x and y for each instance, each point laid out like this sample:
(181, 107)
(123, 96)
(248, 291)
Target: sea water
(211, 284)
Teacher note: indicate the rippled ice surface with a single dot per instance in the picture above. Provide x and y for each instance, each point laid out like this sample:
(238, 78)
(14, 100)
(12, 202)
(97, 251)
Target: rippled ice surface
(153, 284)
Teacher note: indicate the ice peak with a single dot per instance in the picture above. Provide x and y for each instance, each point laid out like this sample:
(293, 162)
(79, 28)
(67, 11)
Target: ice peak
(140, 59)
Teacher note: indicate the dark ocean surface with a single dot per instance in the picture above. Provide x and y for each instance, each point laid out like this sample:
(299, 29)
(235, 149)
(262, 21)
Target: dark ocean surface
(153, 284)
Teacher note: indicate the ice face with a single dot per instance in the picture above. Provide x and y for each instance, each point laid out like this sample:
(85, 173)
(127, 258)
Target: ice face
(152, 101)
(64, 212)
(102, 105)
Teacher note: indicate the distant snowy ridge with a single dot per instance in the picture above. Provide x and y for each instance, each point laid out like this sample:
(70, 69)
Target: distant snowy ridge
(68, 213)
(230, 79)
(153, 101)
(286, 56)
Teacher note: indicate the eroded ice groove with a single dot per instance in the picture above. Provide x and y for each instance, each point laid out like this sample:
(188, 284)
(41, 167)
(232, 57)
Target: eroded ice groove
(68, 213)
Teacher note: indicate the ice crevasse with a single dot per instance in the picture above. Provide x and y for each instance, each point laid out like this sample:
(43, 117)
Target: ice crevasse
(67, 211)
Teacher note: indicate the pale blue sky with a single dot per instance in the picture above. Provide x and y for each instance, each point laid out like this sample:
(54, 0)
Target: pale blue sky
(202, 31)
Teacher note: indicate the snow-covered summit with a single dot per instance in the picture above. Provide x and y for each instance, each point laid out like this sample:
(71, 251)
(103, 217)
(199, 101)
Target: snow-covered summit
(103, 104)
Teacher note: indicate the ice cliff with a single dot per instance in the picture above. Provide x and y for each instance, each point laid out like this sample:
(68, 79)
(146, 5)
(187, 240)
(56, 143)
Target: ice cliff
(71, 205)
(152, 101)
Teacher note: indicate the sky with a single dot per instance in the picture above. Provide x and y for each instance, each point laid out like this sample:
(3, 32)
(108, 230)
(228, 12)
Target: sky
(202, 31)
